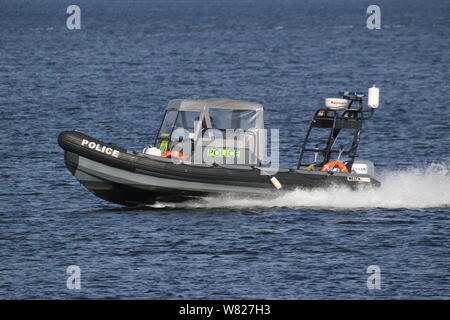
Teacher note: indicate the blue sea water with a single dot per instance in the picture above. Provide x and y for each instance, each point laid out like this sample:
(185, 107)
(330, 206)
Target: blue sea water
(111, 80)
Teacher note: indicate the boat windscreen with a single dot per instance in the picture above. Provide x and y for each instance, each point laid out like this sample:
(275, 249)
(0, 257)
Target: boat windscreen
(178, 119)
(168, 123)
(187, 120)
(232, 119)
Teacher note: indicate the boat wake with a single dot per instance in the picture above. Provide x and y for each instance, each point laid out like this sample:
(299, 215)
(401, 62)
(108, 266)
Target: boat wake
(410, 189)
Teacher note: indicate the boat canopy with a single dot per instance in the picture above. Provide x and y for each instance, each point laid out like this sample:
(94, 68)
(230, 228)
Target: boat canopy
(222, 113)
(202, 104)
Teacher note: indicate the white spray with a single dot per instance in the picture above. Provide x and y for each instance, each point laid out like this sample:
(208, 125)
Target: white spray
(412, 189)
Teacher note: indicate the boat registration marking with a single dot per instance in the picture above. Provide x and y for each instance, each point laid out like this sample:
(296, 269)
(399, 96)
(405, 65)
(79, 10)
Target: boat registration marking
(98, 147)
(358, 179)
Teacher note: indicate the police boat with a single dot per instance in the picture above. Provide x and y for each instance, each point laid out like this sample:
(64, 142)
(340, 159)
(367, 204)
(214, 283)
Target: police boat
(216, 146)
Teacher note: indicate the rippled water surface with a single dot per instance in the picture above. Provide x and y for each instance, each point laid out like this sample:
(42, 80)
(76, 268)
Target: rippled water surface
(111, 80)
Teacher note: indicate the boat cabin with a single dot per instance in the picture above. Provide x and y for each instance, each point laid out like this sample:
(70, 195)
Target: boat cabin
(214, 130)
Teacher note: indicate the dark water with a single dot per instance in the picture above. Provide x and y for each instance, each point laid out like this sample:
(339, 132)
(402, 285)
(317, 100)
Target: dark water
(111, 80)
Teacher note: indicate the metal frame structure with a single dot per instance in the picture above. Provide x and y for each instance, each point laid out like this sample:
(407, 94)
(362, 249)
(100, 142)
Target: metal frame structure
(351, 118)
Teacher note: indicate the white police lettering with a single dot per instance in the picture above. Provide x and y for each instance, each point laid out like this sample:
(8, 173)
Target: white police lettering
(98, 147)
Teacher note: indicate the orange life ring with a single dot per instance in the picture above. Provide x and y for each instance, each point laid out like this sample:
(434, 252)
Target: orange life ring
(173, 154)
(334, 164)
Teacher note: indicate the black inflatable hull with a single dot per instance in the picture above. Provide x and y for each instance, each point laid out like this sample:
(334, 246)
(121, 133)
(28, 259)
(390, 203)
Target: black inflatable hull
(130, 178)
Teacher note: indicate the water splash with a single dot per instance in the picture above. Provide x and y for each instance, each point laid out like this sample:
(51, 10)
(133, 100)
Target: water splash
(411, 189)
